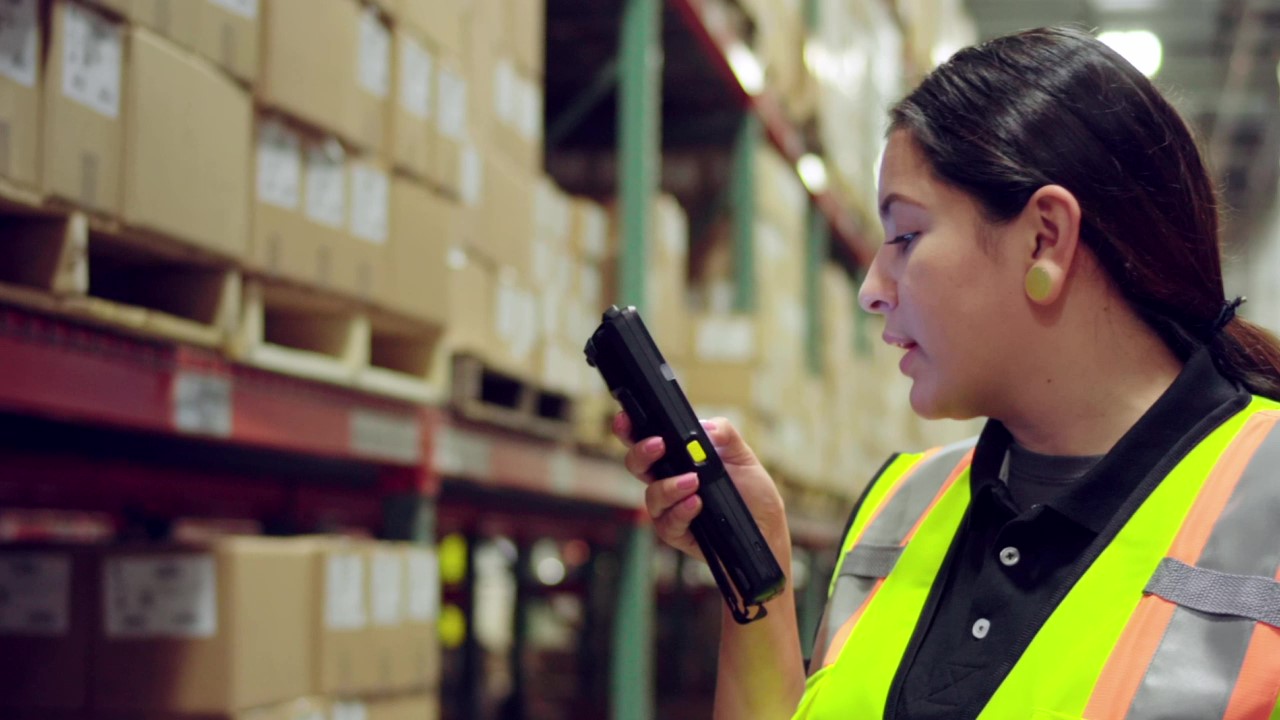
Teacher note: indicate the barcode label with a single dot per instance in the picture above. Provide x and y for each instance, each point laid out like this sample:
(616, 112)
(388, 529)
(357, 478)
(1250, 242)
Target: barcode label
(416, 74)
(369, 201)
(164, 596)
(19, 41)
(327, 184)
(35, 594)
(279, 165)
(374, 66)
(244, 8)
(91, 57)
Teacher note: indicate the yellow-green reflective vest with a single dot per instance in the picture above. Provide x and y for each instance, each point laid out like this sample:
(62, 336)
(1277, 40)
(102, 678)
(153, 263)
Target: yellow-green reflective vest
(1179, 617)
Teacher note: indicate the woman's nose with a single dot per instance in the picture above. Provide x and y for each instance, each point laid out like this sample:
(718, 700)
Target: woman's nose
(878, 294)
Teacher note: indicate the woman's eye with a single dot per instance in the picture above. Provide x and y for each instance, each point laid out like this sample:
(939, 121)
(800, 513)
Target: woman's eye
(904, 239)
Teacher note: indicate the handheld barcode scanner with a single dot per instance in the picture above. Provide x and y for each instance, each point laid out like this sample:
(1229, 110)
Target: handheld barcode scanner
(641, 381)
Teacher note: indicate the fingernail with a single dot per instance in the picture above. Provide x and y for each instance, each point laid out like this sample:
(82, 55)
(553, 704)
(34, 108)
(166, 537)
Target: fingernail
(709, 426)
(653, 445)
(688, 482)
(689, 503)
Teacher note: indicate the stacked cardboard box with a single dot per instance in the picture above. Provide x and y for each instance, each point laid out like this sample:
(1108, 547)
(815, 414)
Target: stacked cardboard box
(230, 628)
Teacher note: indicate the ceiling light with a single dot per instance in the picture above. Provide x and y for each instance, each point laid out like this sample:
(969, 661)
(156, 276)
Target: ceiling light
(746, 68)
(813, 173)
(1140, 47)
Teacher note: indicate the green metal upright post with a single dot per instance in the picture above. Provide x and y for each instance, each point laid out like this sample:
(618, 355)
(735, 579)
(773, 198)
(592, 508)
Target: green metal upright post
(639, 133)
(743, 200)
(817, 251)
(631, 685)
(631, 674)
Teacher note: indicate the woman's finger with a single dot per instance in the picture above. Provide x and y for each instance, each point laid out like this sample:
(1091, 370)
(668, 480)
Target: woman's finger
(622, 428)
(641, 457)
(662, 495)
(673, 525)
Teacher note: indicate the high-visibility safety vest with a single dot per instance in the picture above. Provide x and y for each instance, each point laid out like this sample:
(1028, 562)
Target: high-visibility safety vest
(1179, 617)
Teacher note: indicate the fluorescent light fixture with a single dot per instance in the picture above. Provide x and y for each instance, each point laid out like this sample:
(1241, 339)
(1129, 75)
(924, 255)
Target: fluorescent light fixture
(813, 172)
(1126, 5)
(1140, 47)
(746, 68)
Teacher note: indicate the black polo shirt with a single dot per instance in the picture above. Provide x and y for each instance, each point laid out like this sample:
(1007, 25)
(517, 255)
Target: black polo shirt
(1008, 567)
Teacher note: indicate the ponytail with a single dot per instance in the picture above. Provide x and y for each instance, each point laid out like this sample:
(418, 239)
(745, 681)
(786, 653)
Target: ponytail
(1249, 355)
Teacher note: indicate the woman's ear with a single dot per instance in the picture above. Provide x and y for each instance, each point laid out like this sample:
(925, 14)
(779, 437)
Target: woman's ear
(1052, 220)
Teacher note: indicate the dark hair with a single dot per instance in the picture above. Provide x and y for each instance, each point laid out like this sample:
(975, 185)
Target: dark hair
(1054, 106)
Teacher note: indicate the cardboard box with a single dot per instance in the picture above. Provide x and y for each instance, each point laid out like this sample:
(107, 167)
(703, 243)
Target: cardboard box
(176, 20)
(119, 8)
(212, 629)
(310, 50)
(451, 124)
(227, 34)
(527, 31)
(440, 21)
(517, 327)
(415, 275)
(20, 96)
(303, 207)
(344, 661)
(591, 237)
(404, 600)
(419, 706)
(306, 708)
(187, 135)
(83, 90)
(412, 123)
(45, 627)
(471, 296)
(516, 129)
(504, 233)
(373, 81)
(369, 227)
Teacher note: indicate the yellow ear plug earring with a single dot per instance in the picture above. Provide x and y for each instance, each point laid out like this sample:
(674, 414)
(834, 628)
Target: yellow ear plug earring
(1039, 283)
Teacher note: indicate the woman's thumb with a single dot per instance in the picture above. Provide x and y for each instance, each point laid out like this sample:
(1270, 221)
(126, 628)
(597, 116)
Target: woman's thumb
(728, 443)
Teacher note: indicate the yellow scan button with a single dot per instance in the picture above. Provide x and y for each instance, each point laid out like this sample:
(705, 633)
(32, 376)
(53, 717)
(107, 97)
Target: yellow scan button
(696, 453)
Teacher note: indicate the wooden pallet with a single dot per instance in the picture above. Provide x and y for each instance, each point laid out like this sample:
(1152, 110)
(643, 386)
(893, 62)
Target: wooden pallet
(485, 393)
(407, 359)
(301, 332)
(66, 262)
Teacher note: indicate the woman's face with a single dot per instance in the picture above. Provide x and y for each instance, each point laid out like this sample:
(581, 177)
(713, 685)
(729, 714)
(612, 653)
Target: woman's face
(947, 291)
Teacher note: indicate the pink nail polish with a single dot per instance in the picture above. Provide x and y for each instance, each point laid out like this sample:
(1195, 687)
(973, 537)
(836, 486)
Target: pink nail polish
(653, 445)
(688, 482)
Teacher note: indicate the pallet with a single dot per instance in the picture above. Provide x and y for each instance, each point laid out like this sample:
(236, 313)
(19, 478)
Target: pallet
(487, 394)
(66, 262)
(310, 334)
(301, 332)
(407, 360)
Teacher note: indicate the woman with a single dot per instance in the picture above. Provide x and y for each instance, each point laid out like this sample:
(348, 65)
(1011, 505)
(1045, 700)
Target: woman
(1105, 551)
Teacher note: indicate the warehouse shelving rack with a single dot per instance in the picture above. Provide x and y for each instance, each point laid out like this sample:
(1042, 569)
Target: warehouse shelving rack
(162, 429)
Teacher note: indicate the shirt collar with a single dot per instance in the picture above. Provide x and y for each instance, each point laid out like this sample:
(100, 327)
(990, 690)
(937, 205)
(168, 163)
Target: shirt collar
(1199, 400)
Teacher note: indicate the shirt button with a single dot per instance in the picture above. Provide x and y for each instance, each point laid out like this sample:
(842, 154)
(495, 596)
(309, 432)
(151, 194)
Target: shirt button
(1010, 556)
(981, 627)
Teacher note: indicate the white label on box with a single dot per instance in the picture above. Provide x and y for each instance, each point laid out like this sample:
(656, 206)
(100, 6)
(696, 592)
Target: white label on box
(244, 8)
(386, 436)
(505, 92)
(374, 66)
(91, 60)
(161, 596)
(472, 180)
(452, 114)
(202, 404)
(386, 591)
(279, 165)
(350, 710)
(729, 339)
(35, 594)
(19, 41)
(344, 607)
(416, 71)
(370, 196)
(529, 113)
(327, 184)
(423, 586)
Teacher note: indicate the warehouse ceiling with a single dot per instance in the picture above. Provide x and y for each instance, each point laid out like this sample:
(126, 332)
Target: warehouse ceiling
(1219, 68)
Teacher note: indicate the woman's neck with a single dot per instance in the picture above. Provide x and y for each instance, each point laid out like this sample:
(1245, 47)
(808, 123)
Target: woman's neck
(1083, 394)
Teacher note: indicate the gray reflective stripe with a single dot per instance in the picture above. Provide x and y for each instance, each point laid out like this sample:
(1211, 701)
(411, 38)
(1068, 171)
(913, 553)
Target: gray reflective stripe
(1218, 593)
(1195, 668)
(897, 516)
(870, 561)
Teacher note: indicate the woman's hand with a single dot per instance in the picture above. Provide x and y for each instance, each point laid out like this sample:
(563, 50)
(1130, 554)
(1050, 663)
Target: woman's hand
(673, 502)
